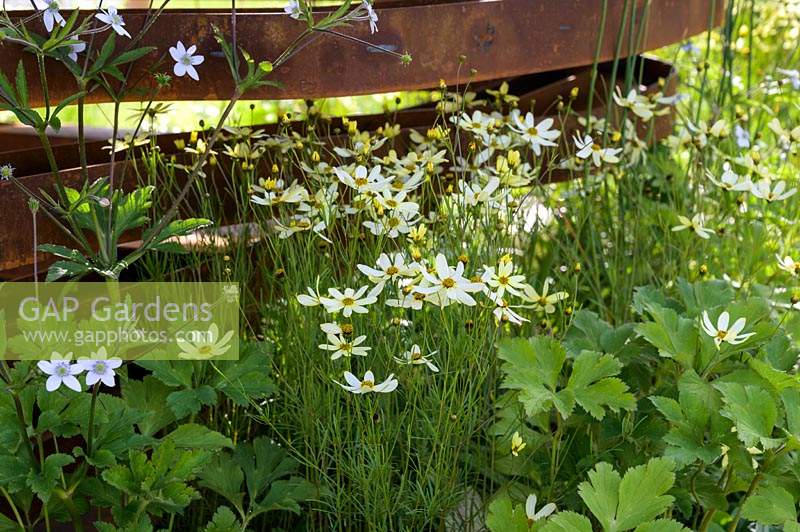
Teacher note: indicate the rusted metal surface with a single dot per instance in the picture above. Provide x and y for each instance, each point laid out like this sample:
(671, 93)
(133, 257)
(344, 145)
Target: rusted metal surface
(537, 91)
(499, 38)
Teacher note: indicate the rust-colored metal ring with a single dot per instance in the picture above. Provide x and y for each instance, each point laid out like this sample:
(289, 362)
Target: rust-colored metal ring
(500, 39)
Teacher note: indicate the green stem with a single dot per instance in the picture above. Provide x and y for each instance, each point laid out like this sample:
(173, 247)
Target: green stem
(90, 432)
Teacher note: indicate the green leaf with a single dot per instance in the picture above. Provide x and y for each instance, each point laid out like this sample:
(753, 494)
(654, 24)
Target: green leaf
(224, 520)
(753, 410)
(194, 436)
(770, 505)
(133, 210)
(662, 525)
(64, 268)
(22, 85)
(224, 476)
(594, 387)
(187, 402)
(504, 517)
(639, 497)
(673, 336)
(43, 482)
(567, 522)
(132, 55)
(149, 396)
(72, 255)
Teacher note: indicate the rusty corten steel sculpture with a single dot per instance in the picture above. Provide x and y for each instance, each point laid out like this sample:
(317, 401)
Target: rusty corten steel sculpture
(454, 41)
(499, 38)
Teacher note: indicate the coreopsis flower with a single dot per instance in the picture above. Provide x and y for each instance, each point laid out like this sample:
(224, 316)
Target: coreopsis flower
(413, 300)
(533, 515)
(392, 225)
(348, 301)
(186, 60)
(788, 264)
(271, 192)
(502, 279)
(113, 19)
(742, 137)
(722, 332)
(414, 357)
(503, 311)
(588, 148)
(50, 15)
(61, 371)
(367, 385)
(474, 194)
(292, 8)
(517, 444)
(730, 180)
(544, 300)
(100, 369)
(364, 182)
(639, 104)
(6, 172)
(537, 135)
(449, 283)
(311, 299)
(342, 347)
(372, 16)
(695, 224)
(210, 345)
(764, 190)
(388, 268)
(75, 49)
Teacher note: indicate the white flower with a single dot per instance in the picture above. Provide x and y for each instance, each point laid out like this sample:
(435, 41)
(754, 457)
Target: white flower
(364, 183)
(111, 17)
(588, 148)
(449, 283)
(393, 225)
(502, 312)
(742, 137)
(186, 60)
(544, 301)
(61, 371)
(367, 385)
(535, 135)
(312, 299)
(413, 300)
(695, 224)
(292, 8)
(209, 345)
(763, 190)
(388, 268)
(6, 172)
(474, 194)
(348, 301)
(341, 346)
(788, 264)
(792, 76)
(414, 357)
(730, 180)
(502, 279)
(51, 16)
(530, 509)
(639, 104)
(371, 15)
(721, 333)
(273, 193)
(100, 369)
(75, 49)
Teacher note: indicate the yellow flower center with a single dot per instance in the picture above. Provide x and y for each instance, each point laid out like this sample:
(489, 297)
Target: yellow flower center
(348, 301)
(392, 270)
(532, 131)
(448, 283)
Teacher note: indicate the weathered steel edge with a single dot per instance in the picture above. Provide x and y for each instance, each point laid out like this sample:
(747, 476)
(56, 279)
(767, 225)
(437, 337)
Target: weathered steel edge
(500, 39)
(16, 246)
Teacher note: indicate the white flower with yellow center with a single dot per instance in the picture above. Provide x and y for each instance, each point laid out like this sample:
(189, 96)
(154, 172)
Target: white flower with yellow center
(533, 515)
(387, 268)
(367, 384)
(639, 104)
(449, 283)
(544, 300)
(502, 279)
(504, 313)
(209, 345)
(414, 357)
(589, 149)
(722, 332)
(537, 135)
(696, 224)
(474, 194)
(348, 301)
(764, 190)
(731, 181)
(368, 183)
(344, 347)
(788, 264)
